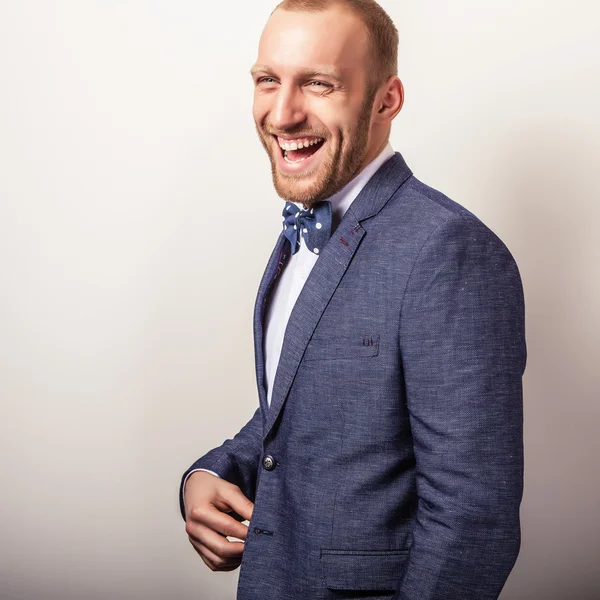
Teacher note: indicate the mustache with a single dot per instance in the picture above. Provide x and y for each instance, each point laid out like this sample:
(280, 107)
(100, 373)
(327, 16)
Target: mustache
(272, 131)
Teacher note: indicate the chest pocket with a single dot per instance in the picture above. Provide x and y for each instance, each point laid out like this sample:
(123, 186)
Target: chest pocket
(342, 348)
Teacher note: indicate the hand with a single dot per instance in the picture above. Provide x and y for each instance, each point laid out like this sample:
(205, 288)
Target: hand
(207, 499)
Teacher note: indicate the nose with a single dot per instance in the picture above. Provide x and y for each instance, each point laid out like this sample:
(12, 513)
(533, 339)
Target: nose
(289, 110)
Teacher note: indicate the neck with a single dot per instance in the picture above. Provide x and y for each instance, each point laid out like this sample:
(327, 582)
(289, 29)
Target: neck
(373, 152)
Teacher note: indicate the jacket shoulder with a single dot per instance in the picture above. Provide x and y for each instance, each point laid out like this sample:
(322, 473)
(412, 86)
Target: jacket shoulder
(429, 202)
(428, 213)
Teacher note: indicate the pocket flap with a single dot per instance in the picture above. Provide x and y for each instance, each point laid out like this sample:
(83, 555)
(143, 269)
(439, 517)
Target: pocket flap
(362, 570)
(336, 348)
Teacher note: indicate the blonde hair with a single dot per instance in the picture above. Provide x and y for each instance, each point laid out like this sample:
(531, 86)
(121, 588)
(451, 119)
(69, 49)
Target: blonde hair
(382, 32)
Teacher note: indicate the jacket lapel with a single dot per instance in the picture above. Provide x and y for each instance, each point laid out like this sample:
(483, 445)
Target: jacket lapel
(324, 279)
(272, 271)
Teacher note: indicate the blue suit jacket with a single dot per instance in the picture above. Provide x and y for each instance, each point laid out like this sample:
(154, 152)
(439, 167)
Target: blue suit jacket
(393, 444)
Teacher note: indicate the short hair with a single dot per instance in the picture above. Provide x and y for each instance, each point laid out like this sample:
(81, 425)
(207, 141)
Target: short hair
(382, 32)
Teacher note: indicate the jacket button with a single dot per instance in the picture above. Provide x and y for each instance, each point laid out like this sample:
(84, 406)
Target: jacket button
(268, 463)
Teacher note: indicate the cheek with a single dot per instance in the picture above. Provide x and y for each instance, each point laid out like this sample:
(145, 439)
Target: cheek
(259, 109)
(331, 118)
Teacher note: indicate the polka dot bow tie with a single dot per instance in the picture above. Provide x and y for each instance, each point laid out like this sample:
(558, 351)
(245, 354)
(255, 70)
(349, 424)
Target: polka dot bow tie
(313, 224)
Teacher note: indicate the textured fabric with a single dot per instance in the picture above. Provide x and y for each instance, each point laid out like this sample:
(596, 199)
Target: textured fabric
(396, 417)
(285, 291)
(313, 225)
(289, 284)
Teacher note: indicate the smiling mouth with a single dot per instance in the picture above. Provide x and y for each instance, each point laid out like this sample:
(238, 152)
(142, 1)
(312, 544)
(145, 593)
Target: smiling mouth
(299, 149)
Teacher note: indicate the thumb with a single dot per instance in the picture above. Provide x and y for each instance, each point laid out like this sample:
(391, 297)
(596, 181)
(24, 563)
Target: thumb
(236, 500)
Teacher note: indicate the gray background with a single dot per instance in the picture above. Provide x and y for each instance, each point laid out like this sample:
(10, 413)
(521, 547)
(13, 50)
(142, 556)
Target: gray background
(128, 277)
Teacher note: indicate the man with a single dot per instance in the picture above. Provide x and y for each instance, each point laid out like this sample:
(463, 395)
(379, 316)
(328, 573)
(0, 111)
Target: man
(385, 458)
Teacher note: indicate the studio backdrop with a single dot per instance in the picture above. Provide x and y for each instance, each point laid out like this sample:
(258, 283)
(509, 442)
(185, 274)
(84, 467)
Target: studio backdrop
(127, 147)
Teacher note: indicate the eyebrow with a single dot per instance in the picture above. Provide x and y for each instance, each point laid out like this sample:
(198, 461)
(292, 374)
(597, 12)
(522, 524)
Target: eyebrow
(320, 72)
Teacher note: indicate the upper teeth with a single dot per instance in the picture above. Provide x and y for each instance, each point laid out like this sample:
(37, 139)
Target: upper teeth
(298, 144)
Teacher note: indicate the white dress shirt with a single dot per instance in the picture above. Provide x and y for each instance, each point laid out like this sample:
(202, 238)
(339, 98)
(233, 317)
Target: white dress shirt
(298, 267)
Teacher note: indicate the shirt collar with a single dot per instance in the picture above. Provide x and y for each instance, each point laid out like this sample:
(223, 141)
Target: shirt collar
(343, 198)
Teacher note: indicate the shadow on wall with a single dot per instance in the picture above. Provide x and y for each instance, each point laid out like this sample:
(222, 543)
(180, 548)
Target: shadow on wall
(555, 221)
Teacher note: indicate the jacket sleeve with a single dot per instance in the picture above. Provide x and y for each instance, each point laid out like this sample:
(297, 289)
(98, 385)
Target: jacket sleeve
(236, 460)
(462, 339)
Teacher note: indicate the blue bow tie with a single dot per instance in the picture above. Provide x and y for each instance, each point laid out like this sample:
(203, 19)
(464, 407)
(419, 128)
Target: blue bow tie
(313, 224)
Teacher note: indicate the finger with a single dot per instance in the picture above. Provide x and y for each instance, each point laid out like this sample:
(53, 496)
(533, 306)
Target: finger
(215, 542)
(214, 562)
(224, 524)
(207, 562)
(218, 521)
(232, 497)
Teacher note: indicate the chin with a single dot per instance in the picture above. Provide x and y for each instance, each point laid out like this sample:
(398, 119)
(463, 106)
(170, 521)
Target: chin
(306, 188)
(304, 192)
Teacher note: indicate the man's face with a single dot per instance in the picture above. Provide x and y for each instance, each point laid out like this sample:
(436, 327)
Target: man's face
(312, 102)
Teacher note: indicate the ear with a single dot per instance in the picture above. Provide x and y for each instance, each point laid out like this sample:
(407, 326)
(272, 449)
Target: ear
(390, 100)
